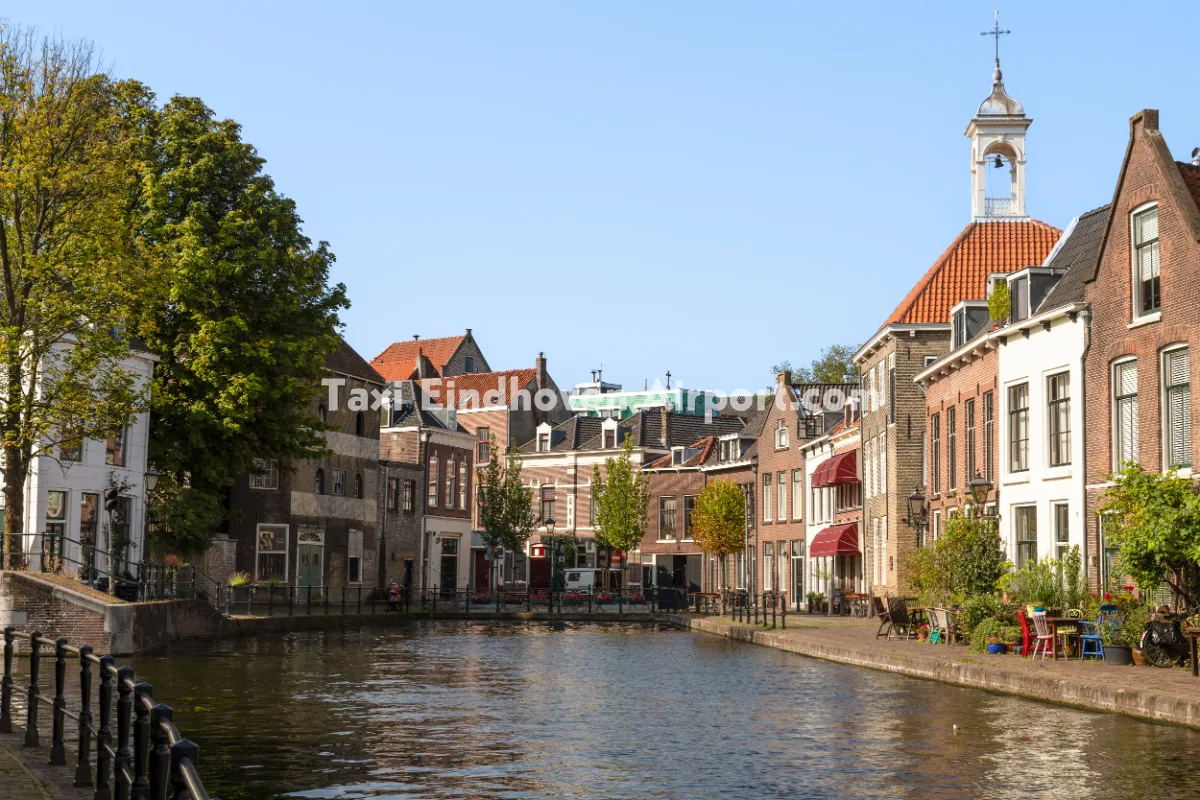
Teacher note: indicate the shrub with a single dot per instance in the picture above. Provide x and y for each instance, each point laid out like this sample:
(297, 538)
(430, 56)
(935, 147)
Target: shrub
(978, 608)
(987, 629)
(1010, 633)
(239, 579)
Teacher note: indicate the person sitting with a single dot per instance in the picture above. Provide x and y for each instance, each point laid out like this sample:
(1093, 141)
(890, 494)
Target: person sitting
(393, 597)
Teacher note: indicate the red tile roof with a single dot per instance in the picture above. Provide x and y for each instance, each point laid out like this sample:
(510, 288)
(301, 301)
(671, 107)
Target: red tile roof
(962, 271)
(399, 360)
(469, 390)
(705, 446)
(1191, 179)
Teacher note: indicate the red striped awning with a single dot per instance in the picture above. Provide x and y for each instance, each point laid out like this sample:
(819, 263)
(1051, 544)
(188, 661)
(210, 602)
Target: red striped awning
(839, 469)
(837, 540)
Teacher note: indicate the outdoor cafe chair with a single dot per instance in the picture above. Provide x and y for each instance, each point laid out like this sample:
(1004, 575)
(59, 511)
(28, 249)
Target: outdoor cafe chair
(1045, 639)
(884, 617)
(1090, 643)
(898, 619)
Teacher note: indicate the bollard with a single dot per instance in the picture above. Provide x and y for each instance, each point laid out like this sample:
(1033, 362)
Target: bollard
(160, 758)
(58, 750)
(141, 742)
(270, 600)
(181, 750)
(325, 600)
(124, 721)
(358, 601)
(774, 609)
(6, 683)
(32, 695)
(104, 732)
(83, 767)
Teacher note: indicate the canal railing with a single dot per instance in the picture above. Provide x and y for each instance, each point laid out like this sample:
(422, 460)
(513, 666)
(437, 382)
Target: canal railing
(147, 758)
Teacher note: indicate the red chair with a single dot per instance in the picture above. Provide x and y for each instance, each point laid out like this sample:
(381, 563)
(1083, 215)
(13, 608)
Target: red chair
(1028, 640)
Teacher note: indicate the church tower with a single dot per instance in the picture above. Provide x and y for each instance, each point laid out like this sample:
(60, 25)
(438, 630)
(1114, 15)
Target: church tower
(997, 136)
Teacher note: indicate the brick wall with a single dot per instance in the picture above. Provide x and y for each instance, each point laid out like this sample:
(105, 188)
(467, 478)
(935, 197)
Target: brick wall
(54, 611)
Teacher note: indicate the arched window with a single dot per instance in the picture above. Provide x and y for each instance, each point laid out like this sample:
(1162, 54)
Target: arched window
(360, 425)
(322, 413)
(358, 486)
(319, 484)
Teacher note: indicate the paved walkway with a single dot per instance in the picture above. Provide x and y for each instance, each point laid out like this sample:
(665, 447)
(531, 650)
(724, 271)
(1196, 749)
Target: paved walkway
(25, 773)
(1165, 695)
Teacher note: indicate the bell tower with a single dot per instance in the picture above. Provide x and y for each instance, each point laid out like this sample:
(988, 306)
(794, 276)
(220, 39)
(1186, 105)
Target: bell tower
(997, 135)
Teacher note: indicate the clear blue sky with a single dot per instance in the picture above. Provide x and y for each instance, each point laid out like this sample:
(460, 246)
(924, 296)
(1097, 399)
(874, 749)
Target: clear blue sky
(704, 187)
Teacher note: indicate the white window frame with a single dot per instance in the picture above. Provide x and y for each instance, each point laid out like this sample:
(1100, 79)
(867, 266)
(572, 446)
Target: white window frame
(1135, 284)
(797, 493)
(781, 435)
(258, 551)
(1114, 394)
(264, 475)
(1164, 354)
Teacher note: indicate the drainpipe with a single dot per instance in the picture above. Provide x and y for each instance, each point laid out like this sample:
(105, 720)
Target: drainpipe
(1086, 317)
(421, 555)
(381, 550)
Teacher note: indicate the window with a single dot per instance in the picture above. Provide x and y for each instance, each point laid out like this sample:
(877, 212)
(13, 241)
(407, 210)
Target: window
(689, 503)
(935, 450)
(319, 481)
(1058, 418)
(1177, 399)
(610, 439)
(410, 496)
(1025, 522)
(766, 498)
(781, 496)
(989, 435)
(1125, 406)
(960, 328)
(468, 364)
(358, 485)
(797, 493)
(570, 512)
(781, 435)
(354, 556)
(339, 482)
(360, 424)
(543, 442)
(1020, 299)
(265, 474)
(1146, 299)
(881, 381)
(1062, 529)
(952, 444)
(451, 486)
(393, 494)
(322, 413)
(56, 519)
(867, 379)
(462, 485)
(937, 525)
(547, 502)
(929, 360)
(867, 448)
(1108, 551)
(768, 565)
(882, 445)
(434, 483)
(1018, 428)
(970, 431)
(891, 388)
(666, 518)
(450, 546)
(114, 448)
(272, 552)
(483, 445)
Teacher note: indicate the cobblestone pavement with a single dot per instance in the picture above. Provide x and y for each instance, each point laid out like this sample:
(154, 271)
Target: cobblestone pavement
(25, 773)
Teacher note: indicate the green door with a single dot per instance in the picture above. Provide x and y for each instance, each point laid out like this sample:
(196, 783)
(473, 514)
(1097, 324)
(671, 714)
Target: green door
(310, 573)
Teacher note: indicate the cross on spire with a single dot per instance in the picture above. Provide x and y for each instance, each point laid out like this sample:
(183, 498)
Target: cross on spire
(996, 33)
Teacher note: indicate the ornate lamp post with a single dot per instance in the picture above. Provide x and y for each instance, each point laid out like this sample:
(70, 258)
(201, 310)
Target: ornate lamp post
(555, 551)
(918, 514)
(980, 488)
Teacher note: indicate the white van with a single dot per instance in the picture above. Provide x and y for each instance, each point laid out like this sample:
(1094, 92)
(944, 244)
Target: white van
(584, 580)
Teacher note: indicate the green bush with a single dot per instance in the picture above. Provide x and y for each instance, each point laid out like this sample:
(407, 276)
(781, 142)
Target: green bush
(1050, 583)
(985, 630)
(978, 608)
(1010, 633)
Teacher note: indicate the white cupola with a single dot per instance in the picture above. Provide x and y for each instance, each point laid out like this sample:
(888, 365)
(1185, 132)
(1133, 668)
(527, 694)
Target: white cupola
(997, 136)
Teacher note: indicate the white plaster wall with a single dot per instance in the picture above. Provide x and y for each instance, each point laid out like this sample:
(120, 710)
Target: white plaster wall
(1034, 359)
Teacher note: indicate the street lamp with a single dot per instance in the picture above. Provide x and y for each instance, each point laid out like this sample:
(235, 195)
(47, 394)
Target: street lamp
(917, 513)
(980, 489)
(151, 479)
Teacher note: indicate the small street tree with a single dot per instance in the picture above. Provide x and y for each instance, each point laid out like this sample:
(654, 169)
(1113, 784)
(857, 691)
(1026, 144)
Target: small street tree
(719, 521)
(964, 561)
(622, 500)
(69, 279)
(1156, 522)
(506, 513)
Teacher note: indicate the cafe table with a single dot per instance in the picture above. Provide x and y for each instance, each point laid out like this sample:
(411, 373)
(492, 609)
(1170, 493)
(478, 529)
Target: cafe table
(1055, 623)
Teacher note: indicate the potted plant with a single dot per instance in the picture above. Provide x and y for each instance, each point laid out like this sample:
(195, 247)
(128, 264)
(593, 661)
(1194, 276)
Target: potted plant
(1011, 636)
(996, 646)
(816, 600)
(999, 304)
(1117, 652)
(923, 632)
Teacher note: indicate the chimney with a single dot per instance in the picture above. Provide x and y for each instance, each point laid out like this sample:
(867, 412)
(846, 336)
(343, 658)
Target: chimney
(416, 337)
(664, 414)
(468, 331)
(783, 379)
(420, 362)
(543, 380)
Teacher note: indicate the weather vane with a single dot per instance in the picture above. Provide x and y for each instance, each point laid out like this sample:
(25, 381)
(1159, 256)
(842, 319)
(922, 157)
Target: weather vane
(997, 33)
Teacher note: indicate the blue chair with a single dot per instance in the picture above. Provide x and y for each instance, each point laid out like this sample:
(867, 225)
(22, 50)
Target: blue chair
(1090, 643)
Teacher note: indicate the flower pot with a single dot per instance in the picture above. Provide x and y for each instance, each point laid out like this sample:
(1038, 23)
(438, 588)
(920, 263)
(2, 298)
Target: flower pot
(1118, 655)
(996, 648)
(1012, 646)
(1139, 658)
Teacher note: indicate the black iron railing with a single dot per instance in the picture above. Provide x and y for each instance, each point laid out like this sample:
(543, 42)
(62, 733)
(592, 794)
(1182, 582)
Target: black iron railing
(146, 759)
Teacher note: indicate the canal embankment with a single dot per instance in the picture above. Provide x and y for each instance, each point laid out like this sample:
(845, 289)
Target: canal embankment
(1161, 695)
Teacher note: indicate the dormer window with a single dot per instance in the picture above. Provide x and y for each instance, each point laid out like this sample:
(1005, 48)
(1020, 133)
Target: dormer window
(676, 456)
(543, 442)
(781, 435)
(1020, 299)
(960, 328)
(610, 439)
(1147, 299)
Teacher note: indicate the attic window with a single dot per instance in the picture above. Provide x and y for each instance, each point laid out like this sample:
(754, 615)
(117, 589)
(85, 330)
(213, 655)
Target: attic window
(677, 456)
(1020, 299)
(468, 364)
(610, 439)
(543, 443)
(960, 328)
(781, 435)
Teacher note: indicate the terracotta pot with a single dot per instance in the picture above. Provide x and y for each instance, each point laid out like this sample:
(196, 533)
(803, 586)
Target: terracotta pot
(1139, 658)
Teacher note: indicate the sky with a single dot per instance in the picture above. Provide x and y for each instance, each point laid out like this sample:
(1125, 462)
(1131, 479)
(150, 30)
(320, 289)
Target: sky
(702, 187)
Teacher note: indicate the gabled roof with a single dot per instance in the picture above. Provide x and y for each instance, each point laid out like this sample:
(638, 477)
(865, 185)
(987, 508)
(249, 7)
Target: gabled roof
(1191, 179)
(399, 361)
(346, 360)
(961, 273)
(1076, 254)
(646, 427)
(470, 389)
(411, 404)
(705, 448)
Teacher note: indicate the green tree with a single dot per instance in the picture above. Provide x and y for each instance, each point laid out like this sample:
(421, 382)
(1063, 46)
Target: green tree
(965, 561)
(1157, 530)
(182, 518)
(248, 316)
(70, 283)
(622, 501)
(506, 512)
(835, 365)
(719, 520)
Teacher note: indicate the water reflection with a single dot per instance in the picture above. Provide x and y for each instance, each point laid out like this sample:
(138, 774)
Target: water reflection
(575, 711)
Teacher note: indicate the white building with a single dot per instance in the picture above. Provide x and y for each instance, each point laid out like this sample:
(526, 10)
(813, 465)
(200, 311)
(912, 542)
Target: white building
(64, 493)
(1041, 398)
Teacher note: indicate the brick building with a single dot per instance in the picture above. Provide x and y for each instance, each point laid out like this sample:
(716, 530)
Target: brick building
(315, 522)
(834, 541)
(443, 356)
(999, 239)
(1145, 304)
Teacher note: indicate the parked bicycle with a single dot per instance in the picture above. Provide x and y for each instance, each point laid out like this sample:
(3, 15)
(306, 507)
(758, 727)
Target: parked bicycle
(1163, 643)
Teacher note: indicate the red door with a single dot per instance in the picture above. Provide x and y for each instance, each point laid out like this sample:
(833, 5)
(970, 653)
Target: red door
(481, 569)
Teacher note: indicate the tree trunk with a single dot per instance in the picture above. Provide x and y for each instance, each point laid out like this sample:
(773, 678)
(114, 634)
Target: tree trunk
(14, 508)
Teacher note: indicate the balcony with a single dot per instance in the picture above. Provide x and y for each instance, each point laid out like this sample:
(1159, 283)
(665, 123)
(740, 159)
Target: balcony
(999, 207)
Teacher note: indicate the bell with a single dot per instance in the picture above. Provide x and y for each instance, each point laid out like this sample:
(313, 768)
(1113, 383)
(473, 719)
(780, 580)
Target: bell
(998, 164)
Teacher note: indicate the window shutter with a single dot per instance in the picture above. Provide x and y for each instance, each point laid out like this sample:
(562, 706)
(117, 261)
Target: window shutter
(1147, 226)
(1127, 378)
(1179, 409)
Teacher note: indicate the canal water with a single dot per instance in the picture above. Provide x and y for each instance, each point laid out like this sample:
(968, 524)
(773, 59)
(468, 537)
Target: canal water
(527, 710)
